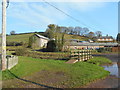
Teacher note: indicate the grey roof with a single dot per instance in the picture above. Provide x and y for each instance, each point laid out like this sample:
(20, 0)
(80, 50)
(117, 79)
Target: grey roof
(105, 37)
(40, 36)
(73, 39)
(94, 44)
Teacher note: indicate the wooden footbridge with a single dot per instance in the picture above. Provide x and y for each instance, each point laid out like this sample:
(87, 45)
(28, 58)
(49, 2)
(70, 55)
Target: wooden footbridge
(80, 55)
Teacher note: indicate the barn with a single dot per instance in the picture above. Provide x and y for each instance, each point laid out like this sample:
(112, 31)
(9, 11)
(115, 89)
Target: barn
(41, 40)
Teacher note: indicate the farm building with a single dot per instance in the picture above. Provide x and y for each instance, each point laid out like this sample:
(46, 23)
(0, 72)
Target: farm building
(41, 40)
(105, 39)
(91, 45)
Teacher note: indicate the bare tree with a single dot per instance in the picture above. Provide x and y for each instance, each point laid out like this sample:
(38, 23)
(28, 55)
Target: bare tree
(98, 33)
(12, 32)
(85, 31)
(71, 29)
(78, 30)
(64, 30)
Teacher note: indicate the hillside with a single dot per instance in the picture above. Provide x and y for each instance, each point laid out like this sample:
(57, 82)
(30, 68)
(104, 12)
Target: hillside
(81, 38)
(25, 37)
(19, 38)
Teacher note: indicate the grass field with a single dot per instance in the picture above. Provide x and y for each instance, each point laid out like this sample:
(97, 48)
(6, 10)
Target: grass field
(25, 37)
(53, 73)
(19, 38)
(100, 60)
(81, 38)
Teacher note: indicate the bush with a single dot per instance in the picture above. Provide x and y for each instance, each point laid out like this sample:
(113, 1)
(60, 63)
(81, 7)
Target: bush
(12, 48)
(14, 43)
(100, 60)
(106, 49)
(51, 46)
(21, 51)
(42, 55)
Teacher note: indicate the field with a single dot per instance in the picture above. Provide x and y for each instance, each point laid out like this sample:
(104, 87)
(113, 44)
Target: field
(81, 38)
(25, 37)
(19, 38)
(55, 73)
(100, 61)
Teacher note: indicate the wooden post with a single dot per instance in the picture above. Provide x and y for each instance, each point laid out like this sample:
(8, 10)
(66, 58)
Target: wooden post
(4, 4)
(87, 54)
(78, 55)
(83, 55)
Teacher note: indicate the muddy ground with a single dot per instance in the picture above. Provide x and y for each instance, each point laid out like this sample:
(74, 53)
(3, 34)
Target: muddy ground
(110, 81)
(34, 82)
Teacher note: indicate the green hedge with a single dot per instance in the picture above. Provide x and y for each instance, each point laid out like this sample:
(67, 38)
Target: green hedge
(100, 60)
(105, 49)
(13, 48)
(42, 55)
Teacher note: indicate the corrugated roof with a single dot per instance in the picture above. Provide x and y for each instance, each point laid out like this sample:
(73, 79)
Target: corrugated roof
(94, 44)
(105, 37)
(40, 36)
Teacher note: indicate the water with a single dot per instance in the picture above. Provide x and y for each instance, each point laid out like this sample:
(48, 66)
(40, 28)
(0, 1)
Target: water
(113, 69)
(112, 81)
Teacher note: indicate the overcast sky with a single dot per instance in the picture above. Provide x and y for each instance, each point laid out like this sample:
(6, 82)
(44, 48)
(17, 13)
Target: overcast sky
(35, 16)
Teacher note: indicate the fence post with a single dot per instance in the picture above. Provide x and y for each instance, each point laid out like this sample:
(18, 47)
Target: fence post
(83, 55)
(78, 56)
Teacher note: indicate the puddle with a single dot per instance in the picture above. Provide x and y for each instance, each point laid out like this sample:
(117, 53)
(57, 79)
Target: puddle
(113, 69)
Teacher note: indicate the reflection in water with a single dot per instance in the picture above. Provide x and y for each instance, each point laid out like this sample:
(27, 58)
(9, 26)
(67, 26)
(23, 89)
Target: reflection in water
(113, 69)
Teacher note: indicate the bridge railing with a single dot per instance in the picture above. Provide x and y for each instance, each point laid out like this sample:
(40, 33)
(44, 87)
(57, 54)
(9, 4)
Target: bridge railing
(81, 55)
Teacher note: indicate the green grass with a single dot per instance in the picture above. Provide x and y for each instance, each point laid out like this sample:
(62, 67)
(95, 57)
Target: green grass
(82, 38)
(19, 38)
(25, 37)
(78, 74)
(99, 60)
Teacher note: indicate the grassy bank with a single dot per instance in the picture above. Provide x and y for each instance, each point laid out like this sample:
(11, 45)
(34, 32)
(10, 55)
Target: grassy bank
(99, 61)
(66, 75)
(19, 38)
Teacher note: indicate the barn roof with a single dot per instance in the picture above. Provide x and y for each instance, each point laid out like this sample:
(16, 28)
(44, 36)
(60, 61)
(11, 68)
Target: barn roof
(94, 44)
(105, 37)
(40, 36)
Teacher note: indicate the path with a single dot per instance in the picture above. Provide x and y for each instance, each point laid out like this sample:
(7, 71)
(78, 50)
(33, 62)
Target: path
(71, 61)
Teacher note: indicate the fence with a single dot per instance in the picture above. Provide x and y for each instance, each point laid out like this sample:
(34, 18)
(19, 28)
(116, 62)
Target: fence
(11, 61)
(81, 55)
(116, 49)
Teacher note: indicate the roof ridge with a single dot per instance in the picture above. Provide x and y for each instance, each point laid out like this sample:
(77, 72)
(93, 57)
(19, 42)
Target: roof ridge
(41, 36)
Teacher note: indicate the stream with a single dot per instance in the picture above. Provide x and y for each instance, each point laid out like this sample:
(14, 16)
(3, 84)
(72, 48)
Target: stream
(113, 69)
(112, 81)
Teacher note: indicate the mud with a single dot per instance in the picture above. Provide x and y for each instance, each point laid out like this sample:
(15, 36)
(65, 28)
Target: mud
(112, 81)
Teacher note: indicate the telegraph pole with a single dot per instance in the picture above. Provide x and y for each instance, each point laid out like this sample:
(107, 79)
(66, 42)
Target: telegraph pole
(4, 63)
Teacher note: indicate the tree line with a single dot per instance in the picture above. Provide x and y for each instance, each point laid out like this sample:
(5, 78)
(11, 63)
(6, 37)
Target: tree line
(72, 31)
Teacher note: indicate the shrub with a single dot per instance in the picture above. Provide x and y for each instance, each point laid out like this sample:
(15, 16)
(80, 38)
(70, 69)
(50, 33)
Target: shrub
(14, 43)
(100, 60)
(21, 51)
(51, 46)
(107, 49)
(42, 55)
(32, 41)
(12, 48)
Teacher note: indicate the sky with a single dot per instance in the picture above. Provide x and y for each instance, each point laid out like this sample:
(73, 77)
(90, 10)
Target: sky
(36, 16)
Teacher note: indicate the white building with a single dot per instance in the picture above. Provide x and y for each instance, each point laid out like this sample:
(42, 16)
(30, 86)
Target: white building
(41, 40)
